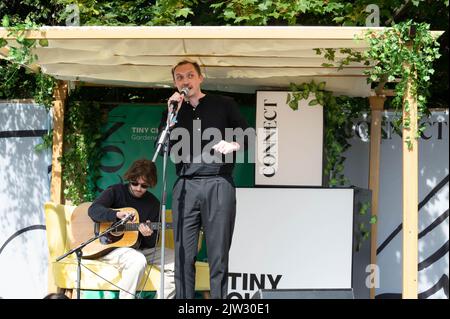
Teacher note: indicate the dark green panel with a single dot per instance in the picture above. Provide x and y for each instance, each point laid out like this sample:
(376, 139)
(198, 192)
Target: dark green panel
(244, 173)
(131, 134)
(135, 128)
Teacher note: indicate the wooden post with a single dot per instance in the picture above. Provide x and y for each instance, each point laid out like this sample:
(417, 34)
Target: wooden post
(410, 195)
(376, 105)
(59, 94)
(56, 195)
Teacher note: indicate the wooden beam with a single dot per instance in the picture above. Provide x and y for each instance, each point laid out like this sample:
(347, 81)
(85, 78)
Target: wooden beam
(202, 32)
(376, 105)
(59, 95)
(410, 196)
(196, 32)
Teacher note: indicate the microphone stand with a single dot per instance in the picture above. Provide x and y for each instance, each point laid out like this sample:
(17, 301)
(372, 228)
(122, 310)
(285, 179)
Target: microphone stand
(164, 142)
(79, 252)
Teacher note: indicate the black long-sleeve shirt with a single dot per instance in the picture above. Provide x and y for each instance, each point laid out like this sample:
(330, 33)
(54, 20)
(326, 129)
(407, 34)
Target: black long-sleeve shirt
(213, 111)
(119, 196)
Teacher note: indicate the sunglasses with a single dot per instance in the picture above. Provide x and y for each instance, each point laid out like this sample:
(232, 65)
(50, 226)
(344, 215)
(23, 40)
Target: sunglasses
(135, 184)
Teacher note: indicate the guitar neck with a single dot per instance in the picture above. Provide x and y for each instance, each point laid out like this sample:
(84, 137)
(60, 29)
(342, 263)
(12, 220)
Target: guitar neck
(153, 226)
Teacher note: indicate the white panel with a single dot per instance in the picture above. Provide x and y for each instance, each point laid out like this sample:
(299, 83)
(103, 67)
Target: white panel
(290, 142)
(302, 235)
(24, 187)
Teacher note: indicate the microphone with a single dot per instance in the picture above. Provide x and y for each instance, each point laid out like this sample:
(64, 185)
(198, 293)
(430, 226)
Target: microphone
(184, 92)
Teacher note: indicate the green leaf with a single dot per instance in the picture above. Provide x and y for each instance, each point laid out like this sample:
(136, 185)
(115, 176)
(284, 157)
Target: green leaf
(327, 65)
(303, 86)
(262, 6)
(43, 42)
(184, 12)
(313, 102)
(306, 93)
(293, 104)
(374, 77)
(228, 15)
(5, 21)
(20, 38)
(320, 100)
(319, 94)
(3, 42)
(288, 98)
(409, 145)
(216, 5)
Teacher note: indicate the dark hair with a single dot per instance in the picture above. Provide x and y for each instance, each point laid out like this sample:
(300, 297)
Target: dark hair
(56, 296)
(183, 62)
(142, 168)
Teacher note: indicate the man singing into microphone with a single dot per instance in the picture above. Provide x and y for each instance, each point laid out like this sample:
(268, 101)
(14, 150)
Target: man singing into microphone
(204, 194)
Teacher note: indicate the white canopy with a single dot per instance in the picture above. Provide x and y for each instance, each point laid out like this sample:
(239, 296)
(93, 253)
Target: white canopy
(237, 59)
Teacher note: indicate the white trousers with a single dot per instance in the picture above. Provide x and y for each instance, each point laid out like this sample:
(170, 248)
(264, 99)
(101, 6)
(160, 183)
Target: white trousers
(132, 263)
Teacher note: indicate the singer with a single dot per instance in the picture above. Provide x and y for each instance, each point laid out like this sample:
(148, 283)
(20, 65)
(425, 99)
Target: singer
(131, 261)
(204, 193)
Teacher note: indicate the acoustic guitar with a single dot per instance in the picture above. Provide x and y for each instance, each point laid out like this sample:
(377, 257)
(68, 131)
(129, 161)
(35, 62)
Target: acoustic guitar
(84, 228)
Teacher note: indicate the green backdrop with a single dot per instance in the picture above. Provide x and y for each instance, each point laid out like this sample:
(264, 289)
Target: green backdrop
(131, 131)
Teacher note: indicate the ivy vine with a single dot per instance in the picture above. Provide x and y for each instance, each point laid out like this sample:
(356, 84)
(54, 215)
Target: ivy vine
(404, 53)
(82, 149)
(82, 136)
(363, 229)
(20, 56)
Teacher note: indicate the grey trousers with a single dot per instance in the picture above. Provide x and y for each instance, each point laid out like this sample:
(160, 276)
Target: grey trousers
(209, 203)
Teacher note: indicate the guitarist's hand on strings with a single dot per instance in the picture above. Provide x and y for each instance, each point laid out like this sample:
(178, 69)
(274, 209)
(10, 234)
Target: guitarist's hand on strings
(124, 214)
(145, 229)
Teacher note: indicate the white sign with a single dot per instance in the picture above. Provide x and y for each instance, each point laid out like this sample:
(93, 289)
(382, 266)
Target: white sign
(289, 142)
(291, 238)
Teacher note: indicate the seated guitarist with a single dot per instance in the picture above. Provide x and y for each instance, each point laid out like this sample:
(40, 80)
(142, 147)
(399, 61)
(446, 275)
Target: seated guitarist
(132, 261)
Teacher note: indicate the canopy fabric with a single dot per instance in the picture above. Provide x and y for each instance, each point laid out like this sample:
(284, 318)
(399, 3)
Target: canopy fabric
(233, 59)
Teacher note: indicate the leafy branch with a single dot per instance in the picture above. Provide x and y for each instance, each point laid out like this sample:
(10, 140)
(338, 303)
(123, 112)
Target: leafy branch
(21, 56)
(82, 149)
(403, 55)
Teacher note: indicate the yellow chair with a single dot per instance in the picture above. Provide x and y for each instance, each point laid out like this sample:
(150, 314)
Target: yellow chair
(64, 272)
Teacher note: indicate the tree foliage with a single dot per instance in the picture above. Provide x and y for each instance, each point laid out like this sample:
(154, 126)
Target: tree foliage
(221, 12)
